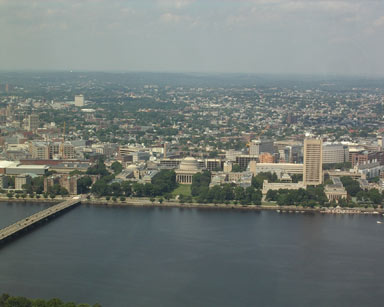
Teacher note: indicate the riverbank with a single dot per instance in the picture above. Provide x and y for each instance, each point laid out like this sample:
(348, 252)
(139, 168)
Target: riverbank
(279, 209)
(146, 202)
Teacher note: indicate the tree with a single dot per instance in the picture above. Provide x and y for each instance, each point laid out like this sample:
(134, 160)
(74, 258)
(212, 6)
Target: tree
(99, 188)
(54, 302)
(126, 188)
(258, 180)
(375, 196)
(271, 195)
(116, 167)
(237, 168)
(239, 193)
(3, 299)
(98, 169)
(138, 189)
(84, 184)
(351, 185)
(17, 302)
(200, 182)
(164, 182)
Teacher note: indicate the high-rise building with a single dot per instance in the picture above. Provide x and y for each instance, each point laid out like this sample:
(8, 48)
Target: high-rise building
(79, 100)
(313, 158)
(33, 122)
(165, 149)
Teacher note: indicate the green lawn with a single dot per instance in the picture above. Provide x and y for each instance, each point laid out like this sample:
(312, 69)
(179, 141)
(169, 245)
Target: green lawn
(182, 189)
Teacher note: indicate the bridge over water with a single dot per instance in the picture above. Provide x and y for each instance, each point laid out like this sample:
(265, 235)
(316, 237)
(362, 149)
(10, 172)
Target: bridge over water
(39, 217)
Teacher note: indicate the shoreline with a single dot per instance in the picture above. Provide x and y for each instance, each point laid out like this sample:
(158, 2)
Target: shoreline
(143, 202)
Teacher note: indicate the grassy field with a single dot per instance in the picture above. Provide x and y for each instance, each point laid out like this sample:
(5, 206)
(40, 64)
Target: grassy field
(183, 189)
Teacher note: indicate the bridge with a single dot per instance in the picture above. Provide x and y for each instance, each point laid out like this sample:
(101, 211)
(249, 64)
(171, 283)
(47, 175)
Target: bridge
(39, 217)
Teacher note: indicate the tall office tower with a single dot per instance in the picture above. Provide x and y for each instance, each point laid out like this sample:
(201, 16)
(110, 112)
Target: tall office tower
(79, 100)
(165, 149)
(313, 162)
(33, 122)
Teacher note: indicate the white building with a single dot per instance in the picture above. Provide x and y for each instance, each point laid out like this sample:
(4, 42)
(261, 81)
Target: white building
(277, 168)
(187, 168)
(79, 101)
(281, 185)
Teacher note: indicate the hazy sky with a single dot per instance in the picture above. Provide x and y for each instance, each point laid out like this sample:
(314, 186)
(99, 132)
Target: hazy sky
(256, 36)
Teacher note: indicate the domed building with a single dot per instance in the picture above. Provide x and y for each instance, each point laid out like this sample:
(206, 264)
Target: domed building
(187, 168)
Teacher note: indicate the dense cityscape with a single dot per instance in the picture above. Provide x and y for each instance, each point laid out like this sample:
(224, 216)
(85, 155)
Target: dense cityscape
(193, 139)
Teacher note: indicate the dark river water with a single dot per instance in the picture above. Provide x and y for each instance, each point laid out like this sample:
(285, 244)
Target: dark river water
(190, 257)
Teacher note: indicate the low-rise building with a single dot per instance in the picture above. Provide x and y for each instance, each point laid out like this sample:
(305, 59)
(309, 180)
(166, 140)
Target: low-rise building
(335, 192)
(277, 168)
(21, 180)
(281, 186)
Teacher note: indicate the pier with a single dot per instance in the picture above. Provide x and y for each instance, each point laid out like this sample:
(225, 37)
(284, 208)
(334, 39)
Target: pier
(28, 222)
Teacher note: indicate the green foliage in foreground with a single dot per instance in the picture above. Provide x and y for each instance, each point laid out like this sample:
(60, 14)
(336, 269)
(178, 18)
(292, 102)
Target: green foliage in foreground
(18, 301)
(221, 194)
(162, 183)
(305, 197)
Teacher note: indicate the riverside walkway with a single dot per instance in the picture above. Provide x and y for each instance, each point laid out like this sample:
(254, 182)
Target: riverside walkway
(24, 224)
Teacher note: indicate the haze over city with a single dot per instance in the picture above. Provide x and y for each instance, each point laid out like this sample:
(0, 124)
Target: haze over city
(251, 36)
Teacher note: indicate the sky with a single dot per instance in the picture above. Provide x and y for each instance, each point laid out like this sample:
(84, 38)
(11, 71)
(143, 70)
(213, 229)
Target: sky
(237, 36)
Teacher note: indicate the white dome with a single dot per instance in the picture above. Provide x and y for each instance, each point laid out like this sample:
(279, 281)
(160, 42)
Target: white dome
(189, 164)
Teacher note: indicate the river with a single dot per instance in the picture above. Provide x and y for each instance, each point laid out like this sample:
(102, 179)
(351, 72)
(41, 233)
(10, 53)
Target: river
(194, 257)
